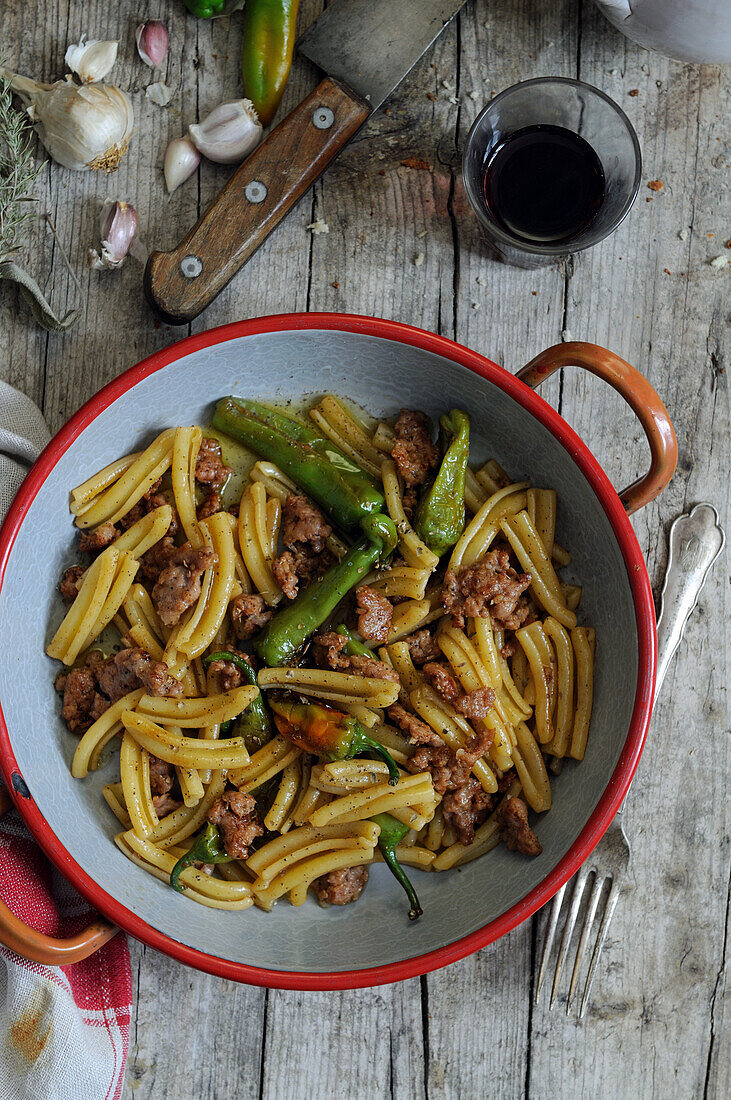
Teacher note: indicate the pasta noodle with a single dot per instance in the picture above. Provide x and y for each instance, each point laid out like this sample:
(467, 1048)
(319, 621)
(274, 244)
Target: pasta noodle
(405, 739)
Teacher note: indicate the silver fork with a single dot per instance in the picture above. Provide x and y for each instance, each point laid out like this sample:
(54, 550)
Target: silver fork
(695, 541)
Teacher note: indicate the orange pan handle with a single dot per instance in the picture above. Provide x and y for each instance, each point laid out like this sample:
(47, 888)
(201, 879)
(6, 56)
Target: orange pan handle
(639, 395)
(33, 945)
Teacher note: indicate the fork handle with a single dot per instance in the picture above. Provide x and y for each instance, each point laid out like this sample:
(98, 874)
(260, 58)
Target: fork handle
(696, 539)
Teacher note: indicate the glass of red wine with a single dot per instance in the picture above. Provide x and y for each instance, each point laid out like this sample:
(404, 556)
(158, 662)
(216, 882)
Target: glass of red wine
(551, 166)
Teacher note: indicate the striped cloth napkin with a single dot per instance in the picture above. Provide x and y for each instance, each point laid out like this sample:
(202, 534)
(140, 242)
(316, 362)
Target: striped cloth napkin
(64, 1031)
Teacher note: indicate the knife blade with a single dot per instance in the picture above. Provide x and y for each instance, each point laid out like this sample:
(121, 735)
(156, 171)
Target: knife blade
(372, 46)
(366, 47)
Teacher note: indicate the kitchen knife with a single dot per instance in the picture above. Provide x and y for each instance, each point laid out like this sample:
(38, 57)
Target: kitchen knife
(366, 48)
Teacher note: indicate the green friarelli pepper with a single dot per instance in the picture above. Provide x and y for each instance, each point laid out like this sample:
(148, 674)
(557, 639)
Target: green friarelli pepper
(205, 9)
(353, 647)
(328, 733)
(269, 32)
(291, 627)
(392, 833)
(440, 517)
(254, 724)
(207, 848)
(345, 492)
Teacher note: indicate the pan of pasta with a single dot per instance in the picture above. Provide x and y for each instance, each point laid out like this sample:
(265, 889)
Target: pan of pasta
(332, 649)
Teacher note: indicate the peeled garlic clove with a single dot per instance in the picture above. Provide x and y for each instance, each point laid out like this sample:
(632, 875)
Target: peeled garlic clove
(230, 132)
(81, 127)
(91, 61)
(181, 160)
(152, 42)
(118, 228)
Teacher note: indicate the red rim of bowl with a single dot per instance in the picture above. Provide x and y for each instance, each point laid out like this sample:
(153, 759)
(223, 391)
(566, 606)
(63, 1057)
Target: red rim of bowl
(610, 800)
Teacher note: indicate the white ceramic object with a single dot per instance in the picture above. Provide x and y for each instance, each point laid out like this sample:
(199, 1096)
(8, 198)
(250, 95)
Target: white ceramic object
(687, 30)
(381, 366)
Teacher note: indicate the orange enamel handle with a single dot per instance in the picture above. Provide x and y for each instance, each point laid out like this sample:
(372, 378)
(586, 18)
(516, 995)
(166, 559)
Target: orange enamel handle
(639, 395)
(37, 947)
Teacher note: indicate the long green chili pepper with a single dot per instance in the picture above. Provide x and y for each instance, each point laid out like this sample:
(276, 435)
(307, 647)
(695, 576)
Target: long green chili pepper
(292, 626)
(254, 724)
(353, 647)
(205, 9)
(206, 848)
(269, 33)
(392, 833)
(440, 517)
(338, 485)
(328, 733)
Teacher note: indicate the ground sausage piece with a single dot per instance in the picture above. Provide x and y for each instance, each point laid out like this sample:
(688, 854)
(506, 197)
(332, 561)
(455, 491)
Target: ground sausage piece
(303, 522)
(209, 467)
(409, 501)
(179, 583)
(78, 687)
(375, 614)
(248, 614)
(228, 674)
(162, 775)
(413, 452)
(92, 542)
(473, 704)
(328, 654)
(341, 887)
(69, 584)
(165, 804)
(449, 770)
(489, 587)
(514, 828)
(300, 565)
(442, 680)
(467, 807)
(236, 816)
(285, 574)
(210, 506)
(419, 732)
(423, 647)
(151, 500)
(133, 668)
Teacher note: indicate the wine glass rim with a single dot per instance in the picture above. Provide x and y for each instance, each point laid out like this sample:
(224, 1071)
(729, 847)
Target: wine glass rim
(552, 249)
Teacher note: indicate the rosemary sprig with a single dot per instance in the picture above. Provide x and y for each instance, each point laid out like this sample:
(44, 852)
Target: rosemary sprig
(18, 176)
(18, 172)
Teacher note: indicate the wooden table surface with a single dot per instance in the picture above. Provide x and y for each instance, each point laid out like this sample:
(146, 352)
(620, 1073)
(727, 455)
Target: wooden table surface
(402, 244)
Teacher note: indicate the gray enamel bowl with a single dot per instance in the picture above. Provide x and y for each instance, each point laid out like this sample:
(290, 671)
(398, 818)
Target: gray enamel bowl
(381, 366)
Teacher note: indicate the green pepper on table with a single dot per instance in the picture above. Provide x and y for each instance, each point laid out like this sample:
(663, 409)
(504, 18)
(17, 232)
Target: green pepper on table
(328, 733)
(392, 833)
(269, 33)
(205, 9)
(283, 635)
(338, 484)
(440, 517)
(254, 724)
(207, 848)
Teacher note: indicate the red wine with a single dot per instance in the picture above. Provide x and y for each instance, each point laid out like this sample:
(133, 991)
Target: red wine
(543, 184)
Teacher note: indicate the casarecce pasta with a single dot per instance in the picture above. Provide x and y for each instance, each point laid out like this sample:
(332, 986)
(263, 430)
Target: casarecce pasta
(366, 655)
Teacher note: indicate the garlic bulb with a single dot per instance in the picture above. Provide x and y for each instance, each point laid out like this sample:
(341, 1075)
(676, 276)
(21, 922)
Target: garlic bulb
(181, 160)
(230, 132)
(91, 61)
(81, 127)
(118, 228)
(152, 42)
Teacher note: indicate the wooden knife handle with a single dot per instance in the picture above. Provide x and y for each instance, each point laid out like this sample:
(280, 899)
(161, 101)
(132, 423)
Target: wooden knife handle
(180, 284)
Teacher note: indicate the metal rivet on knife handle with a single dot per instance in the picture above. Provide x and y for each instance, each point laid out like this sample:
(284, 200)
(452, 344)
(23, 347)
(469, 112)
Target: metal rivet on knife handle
(323, 118)
(255, 191)
(191, 267)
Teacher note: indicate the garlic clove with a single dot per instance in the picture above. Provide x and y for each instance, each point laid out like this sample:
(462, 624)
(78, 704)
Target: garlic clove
(230, 132)
(118, 229)
(81, 127)
(181, 160)
(91, 61)
(158, 93)
(152, 42)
